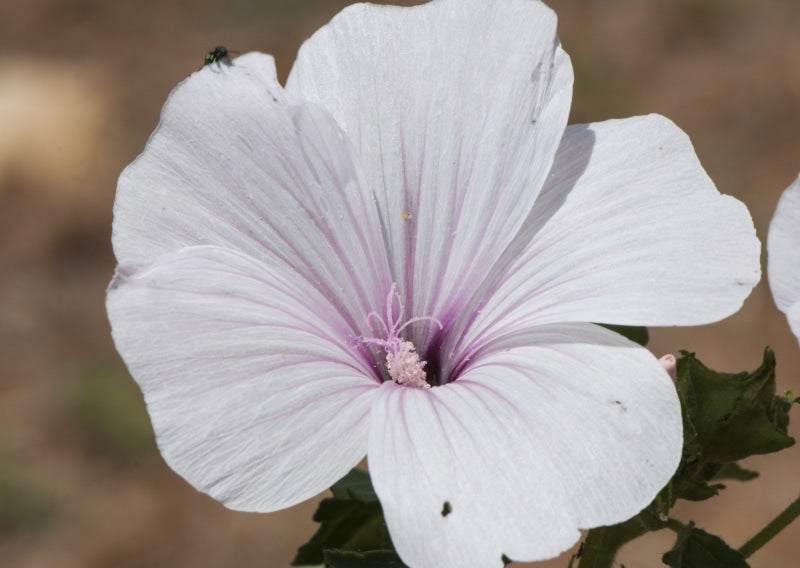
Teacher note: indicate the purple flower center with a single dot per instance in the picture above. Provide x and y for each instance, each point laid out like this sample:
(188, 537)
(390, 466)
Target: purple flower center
(402, 360)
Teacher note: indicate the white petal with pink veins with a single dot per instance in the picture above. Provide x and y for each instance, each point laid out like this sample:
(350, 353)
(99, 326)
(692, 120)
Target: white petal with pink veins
(236, 162)
(255, 393)
(546, 431)
(456, 108)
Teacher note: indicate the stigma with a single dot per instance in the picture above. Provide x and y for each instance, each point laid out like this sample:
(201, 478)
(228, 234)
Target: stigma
(403, 363)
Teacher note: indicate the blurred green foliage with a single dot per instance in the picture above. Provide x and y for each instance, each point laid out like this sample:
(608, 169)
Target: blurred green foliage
(24, 503)
(106, 408)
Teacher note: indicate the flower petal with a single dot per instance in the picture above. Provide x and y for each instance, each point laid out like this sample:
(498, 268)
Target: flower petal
(237, 162)
(628, 230)
(549, 431)
(783, 248)
(456, 108)
(255, 396)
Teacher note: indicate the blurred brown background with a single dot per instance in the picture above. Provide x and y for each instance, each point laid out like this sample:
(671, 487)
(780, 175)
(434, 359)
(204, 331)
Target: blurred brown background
(81, 86)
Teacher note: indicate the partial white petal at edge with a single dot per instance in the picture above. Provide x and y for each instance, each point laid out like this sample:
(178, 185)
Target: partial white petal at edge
(783, 249)
(550, 431)
(793, 316)
(255, 394)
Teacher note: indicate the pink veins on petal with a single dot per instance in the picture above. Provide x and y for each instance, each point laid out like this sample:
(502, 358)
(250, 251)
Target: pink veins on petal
(402, 360)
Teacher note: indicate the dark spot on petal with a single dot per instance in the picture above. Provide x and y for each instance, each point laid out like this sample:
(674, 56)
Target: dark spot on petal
(506, 560)
(446, 508)
(621, 406)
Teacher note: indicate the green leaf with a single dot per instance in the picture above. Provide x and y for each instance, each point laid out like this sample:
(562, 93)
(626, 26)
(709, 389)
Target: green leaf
(638, 335)
(696, 548)
(726, 417)
(371, 559)
(350, 521)
(736, 472)
(700, 491)
(732, 416)
(355, 486)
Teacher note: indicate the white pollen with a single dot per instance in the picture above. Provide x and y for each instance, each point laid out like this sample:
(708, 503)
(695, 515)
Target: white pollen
(404, 365)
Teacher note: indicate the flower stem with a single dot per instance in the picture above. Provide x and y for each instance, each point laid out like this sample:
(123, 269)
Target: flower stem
(775, 526)
(603, 543)
(674, 525)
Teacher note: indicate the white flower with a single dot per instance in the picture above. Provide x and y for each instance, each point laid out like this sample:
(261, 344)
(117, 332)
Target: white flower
(783, 249)
(397, 256)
